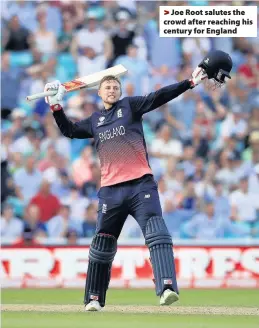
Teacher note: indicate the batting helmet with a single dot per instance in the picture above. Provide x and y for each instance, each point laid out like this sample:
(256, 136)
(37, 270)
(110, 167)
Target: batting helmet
(217, 65)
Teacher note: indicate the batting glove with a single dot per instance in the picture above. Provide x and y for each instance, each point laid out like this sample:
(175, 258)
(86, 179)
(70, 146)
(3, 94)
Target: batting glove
(198, 76)
(54, 101)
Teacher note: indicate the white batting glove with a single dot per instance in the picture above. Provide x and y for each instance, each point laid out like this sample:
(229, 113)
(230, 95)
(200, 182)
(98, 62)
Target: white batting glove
(54, 101)
(198, 76)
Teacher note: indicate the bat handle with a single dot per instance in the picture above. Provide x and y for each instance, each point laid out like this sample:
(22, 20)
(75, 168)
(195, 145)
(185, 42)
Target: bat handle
(41, 95)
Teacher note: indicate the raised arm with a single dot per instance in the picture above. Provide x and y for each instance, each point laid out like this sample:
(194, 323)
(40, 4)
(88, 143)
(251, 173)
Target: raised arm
(79, 130)
(142, 105)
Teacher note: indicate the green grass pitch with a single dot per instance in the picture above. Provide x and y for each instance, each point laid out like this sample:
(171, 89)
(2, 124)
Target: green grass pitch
(231, 301)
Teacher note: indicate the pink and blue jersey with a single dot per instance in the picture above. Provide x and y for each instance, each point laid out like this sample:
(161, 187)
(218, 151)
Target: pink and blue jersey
(118, 133)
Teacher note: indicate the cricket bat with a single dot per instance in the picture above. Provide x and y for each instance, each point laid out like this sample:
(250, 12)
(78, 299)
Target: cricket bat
(88, 81)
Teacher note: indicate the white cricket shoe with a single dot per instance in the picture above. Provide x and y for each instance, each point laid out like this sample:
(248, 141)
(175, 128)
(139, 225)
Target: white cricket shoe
(168, 297)
(93, 306)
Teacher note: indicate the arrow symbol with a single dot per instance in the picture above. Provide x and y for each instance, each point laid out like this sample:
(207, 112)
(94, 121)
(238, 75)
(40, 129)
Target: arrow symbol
(166, 12)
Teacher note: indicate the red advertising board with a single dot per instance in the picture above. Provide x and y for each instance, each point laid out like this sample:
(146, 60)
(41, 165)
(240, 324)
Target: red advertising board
(196, 266)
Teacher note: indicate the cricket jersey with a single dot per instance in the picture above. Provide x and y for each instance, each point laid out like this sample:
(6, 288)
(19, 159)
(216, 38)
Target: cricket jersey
(118, 133)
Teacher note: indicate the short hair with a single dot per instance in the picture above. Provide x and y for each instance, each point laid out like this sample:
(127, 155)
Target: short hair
(109, 78)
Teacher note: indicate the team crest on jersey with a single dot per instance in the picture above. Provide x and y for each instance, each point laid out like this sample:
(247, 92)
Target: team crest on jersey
(101, 121)
(119, 113)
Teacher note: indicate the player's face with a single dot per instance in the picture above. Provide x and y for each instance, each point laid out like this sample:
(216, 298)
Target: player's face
(110, 92)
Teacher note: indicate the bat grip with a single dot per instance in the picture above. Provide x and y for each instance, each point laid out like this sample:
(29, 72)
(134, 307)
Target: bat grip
(41, 95)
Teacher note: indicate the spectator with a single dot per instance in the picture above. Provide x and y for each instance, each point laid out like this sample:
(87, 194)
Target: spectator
(28, 179)
(44, 39)
(182, 118)
(33, 224)
(157, 117)
(163, 75)
(253, 122)
(172, 55)
(234, 125)
(164, 146)
(60, 143)
(5, 175)
(187, 159)
(92, 39)
(59, 225)
(90, 220)
(25, 144)
(38, 77)
(122, 37)
(48, 203)
(74, 11)
(61, 186)
(231, 145)
(221, 200)
(10, 227)
(204, 121)
(228, 173)
(76, 202)
(137, 69)
(241, 97)
(90, 188)
(66, 36)
(199, 169)
(175, 178)
(249, 70)
(217, 101)
(131, 229)
(18, 37)
(11, 78)
(166, 195)
(200, 143)
(205, 188)
(72, 237)
(243, 203)
(81, 167)
(25, 11)
(51, 174)
(49, 158)
(17, 116)
(188, 200)
(16, 162)
(207, 225)
(53, 15)
(28, 239)
(129, 89)
(253, 181)
(89, 62)
(251, 152)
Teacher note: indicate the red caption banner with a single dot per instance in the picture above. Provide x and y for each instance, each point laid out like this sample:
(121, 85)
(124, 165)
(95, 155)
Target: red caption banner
(196, 267)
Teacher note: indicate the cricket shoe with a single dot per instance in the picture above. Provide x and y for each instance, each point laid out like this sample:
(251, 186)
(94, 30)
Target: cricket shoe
(168, 297)
(93, 306)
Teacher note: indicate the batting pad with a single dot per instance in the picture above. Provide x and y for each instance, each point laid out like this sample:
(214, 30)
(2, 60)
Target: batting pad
(159, 243)
(101, 255)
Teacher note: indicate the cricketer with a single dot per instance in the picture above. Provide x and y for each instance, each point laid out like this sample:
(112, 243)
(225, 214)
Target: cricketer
(127, 183)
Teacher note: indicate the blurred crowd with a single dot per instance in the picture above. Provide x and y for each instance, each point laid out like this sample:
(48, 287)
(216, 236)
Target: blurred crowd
(203, 146)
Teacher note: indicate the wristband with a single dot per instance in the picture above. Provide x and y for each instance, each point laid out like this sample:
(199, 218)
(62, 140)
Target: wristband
(55, 108)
